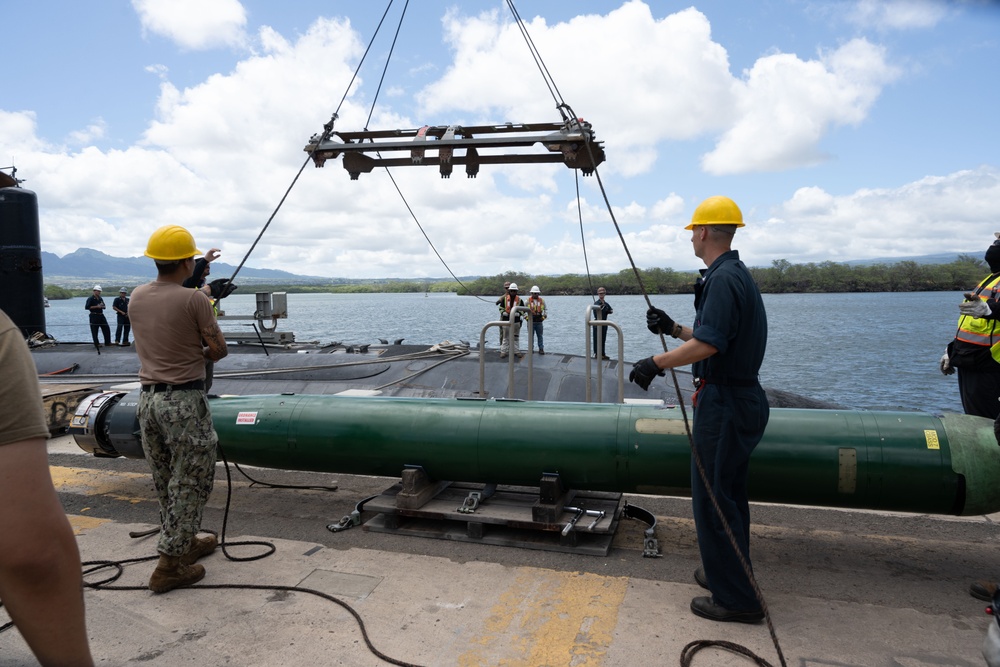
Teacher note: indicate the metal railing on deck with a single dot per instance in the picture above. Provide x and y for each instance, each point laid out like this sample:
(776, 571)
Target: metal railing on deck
(507, 327)
(594, 325)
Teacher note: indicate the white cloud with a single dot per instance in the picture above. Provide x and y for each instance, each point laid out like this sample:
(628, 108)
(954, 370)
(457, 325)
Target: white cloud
(677, 86)
(17, 132)
(221, 154)
(898, 14)
(194, 24)
(787, 106)
(96, 130)
(935, 214)
(160, 71)
(809, 201)
(668, 209)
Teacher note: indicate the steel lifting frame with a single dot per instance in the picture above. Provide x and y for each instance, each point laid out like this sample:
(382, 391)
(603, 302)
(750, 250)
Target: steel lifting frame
(571, 143)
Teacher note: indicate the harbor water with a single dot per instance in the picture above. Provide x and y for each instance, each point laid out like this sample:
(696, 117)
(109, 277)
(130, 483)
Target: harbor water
(876, 351)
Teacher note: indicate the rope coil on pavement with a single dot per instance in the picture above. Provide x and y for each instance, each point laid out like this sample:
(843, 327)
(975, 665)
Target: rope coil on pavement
(118, 569)
(688, 652)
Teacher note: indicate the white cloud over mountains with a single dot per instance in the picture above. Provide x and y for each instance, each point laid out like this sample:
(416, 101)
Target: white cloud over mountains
(220, 154)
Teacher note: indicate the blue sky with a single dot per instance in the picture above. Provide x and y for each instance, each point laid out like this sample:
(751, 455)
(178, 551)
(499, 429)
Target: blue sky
(844, 129)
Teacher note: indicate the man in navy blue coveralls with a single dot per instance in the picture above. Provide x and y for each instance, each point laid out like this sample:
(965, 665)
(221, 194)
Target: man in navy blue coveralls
(725, 348)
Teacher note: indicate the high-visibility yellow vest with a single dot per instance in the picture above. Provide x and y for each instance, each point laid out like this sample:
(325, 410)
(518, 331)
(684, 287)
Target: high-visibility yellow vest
(982, 331)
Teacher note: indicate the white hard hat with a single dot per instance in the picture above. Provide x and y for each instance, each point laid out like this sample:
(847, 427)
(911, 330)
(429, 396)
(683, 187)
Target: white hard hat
(534, 290)
(513, 286)
(97, 288)
(123, 291)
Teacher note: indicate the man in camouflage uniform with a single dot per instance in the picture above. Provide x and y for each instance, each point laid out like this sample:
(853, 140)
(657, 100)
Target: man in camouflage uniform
(175, 333)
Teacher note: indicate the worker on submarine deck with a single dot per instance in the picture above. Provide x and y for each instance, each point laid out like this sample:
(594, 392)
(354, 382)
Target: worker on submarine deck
(975, 352)
(725, 347)
(175, 333)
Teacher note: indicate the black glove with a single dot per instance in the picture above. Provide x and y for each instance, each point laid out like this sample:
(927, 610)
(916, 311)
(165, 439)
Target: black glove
(643, 372)
(659, 322)
(221, 288)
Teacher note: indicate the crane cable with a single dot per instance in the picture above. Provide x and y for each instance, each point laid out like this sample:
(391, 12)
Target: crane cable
(388, 173)
(117, 567)
(563, 109)
(689, 650)
(583, 239)
(327, 131)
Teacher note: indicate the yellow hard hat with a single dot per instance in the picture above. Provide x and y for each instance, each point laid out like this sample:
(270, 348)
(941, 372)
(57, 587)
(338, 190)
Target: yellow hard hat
(717, 211)
(170, 243)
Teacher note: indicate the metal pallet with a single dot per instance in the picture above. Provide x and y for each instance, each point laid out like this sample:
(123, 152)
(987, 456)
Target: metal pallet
(515, 516)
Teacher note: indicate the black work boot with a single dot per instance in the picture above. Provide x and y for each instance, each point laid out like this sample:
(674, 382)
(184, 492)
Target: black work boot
(983, 590)
(170, 573)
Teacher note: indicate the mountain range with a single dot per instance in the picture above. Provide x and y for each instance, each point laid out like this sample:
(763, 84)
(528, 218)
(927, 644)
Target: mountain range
(86, 266)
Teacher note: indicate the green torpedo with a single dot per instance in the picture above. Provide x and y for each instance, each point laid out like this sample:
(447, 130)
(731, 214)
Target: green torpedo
(900, 461)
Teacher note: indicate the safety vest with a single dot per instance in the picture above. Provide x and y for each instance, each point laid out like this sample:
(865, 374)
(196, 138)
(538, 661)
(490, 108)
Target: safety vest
(509, 303)
(537, 307)
(215, 304)
(978, 330)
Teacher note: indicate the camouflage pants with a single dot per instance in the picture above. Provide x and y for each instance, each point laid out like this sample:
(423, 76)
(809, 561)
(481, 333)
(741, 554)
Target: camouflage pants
(180, 445)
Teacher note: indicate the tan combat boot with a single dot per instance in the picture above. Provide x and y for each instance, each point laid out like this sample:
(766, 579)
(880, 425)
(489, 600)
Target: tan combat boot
(200, 547)
(170, 573)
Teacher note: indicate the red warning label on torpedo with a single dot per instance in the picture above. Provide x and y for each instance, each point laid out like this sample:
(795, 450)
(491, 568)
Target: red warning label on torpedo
(246, 417)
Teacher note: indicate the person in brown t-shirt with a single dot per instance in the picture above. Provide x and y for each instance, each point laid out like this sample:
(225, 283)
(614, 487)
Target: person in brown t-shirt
(40, 579)
(175, 333)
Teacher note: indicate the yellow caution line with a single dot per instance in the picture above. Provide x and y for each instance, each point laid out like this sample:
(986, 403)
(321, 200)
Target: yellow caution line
(81, 524)
(131, 487)
(550, 618)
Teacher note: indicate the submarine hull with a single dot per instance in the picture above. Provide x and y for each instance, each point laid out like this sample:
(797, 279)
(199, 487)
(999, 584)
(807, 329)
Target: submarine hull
(901, 461)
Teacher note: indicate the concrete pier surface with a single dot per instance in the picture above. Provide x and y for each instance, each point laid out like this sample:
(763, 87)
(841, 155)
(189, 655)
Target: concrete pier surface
(844, 588)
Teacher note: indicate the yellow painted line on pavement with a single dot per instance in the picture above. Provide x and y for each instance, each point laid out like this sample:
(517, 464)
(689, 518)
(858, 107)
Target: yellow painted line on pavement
(131, 487)
(84, 523)
(550, 618)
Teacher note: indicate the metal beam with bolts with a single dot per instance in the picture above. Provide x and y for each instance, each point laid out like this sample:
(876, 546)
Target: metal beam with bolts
(571, 143)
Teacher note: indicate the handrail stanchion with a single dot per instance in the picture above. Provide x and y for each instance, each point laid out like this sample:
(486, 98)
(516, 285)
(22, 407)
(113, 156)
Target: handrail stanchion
(591, 325)
(531, 351)
(510, 357)
(621, 361)
(510, 354)
(482, 358)
(587, 327)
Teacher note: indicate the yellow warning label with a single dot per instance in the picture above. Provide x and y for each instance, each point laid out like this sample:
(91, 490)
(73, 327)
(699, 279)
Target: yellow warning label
(932, 439)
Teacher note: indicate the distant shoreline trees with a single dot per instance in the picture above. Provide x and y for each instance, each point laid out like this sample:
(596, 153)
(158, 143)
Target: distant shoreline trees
(782, 277)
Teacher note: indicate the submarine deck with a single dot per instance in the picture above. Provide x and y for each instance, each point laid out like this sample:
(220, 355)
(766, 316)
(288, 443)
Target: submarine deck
(445, 370)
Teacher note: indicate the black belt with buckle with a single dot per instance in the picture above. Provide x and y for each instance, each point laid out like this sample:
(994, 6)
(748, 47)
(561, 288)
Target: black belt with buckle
(160, 387)
(725, 382)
